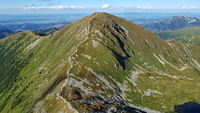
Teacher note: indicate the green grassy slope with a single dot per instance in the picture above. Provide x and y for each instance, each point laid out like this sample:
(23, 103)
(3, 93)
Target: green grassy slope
(100, 57)
(187, 39)
(13, 60)
(34, 67)
(188, 31)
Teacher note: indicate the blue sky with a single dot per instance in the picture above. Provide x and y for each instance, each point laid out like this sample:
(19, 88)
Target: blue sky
(89, 6)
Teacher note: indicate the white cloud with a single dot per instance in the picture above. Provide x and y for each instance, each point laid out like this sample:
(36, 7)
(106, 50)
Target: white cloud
(52, 3)
(184, 7)
(55, 7)
(154, 8)
(138, 7)
(145, 8)
(45, 0)
(106, 6)
(30, 5)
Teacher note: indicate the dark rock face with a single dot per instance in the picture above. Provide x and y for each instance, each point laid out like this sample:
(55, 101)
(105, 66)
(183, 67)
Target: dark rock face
(70, 94)
(173, 23)
(74, 95)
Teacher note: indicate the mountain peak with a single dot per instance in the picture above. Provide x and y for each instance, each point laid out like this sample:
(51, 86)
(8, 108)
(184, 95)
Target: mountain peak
(179, 16)
(102, 16)
(176, 22)
(100, 13)
(183, 21)
(101, 63)
(183, 18)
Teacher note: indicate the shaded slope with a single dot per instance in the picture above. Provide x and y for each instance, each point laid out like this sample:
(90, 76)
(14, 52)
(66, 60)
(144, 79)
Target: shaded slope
(48, 31)
(100, 62)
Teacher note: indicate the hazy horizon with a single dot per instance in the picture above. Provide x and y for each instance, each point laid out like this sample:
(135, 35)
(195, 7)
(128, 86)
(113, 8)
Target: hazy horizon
(89, 6)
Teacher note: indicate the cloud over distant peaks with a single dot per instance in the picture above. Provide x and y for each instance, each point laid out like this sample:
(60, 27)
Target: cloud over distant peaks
(138, 7)
(106, 6)
(55, 7)
(51, 4)
(30, 5)
(184, 7)
(45, 0)
(145, 7)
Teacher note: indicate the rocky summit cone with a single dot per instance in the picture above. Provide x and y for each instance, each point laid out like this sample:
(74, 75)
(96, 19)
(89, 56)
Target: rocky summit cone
(100, 63)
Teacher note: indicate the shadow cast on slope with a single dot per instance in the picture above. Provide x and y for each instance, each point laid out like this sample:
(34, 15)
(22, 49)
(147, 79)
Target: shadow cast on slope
(187, 107)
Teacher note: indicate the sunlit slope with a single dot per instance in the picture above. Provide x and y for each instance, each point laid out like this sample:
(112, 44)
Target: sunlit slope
(97, 63)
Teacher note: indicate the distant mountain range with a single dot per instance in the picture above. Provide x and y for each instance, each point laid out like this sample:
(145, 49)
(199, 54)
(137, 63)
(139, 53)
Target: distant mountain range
(31, 26)
(5, 33)
(10, 29)
(100, 63)
(173, 23)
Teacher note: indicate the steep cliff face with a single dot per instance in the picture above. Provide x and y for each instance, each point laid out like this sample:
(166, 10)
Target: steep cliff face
(98, 63)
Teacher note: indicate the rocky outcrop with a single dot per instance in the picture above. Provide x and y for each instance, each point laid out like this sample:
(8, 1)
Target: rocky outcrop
(89, 103)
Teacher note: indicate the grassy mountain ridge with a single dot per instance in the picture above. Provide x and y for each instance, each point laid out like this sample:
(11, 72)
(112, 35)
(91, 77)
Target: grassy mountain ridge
(13, 61)
(97, 63)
